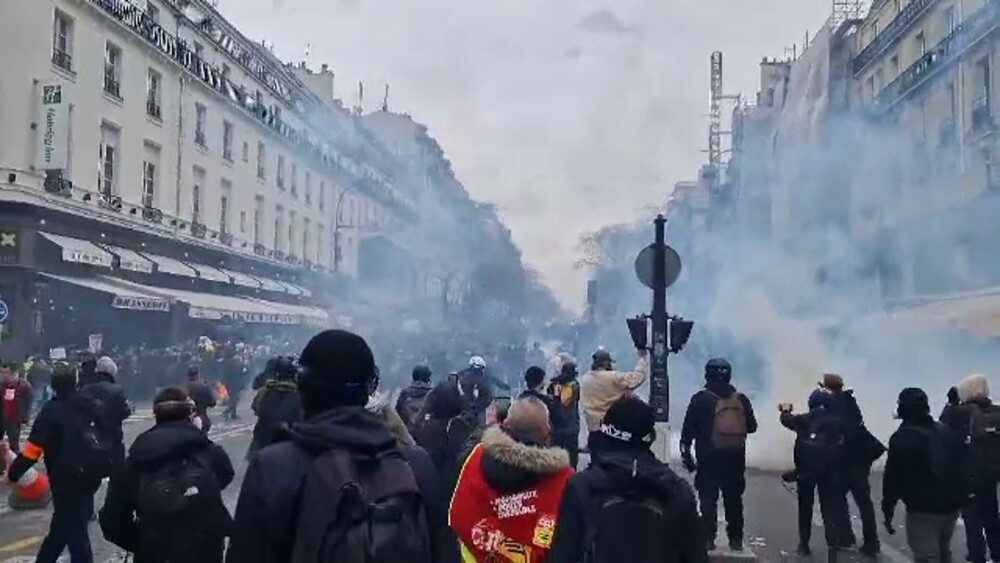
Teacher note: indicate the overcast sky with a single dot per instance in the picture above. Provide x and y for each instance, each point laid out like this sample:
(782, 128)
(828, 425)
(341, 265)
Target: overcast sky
(568, 114)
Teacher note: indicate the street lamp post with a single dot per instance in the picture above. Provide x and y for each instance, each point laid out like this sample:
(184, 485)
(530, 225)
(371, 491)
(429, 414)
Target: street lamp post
(336, 229)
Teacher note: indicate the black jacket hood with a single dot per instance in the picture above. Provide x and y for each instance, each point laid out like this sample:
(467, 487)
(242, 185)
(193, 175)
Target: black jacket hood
(511, 466)
(638, 469)
(166, 441)
(352, 428)
(720, 388)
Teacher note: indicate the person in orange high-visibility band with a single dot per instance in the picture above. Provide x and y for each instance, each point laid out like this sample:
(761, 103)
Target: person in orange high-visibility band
(54, 436)
(507, 499)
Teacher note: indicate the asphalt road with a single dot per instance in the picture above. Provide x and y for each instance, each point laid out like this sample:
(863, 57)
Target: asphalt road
(770, 511)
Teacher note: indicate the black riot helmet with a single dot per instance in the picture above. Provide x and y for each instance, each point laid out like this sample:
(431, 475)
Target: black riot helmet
(718, 369)
(422, 373)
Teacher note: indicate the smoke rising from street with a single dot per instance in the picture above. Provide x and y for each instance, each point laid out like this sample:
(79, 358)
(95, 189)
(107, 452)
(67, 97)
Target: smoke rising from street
(568, 116)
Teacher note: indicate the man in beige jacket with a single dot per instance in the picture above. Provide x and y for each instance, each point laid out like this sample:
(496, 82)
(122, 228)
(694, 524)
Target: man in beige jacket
(602, 385)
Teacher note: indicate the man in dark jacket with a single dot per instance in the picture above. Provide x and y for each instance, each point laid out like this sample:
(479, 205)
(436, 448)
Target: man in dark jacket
(234, 376)
(715, 413)
(203, 397)
(534, 383)
(818, 456)
(982, 525)
(623, 466)
(924, 470)
(15, 400)
(72, 493)
(861, 449)
(155, 534)
(277, 406)
(338, 377)
(411, 400)
(100, 387)
(476, 385)
(565, 392)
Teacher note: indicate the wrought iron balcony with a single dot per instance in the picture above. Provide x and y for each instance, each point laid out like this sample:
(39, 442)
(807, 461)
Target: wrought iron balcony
(55, 184)
(152, 214)
(226, 238)
(109, 201)
(198, 230)
(63, 60)
(892, 33)
(279, 255)
(978, 26)
(259, 249)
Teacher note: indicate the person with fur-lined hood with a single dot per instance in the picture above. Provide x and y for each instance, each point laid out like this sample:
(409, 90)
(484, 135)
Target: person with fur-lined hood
(977, 418)
(510, 488)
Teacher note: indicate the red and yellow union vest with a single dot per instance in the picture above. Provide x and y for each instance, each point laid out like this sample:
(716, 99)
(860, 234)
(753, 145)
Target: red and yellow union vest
(498, 528)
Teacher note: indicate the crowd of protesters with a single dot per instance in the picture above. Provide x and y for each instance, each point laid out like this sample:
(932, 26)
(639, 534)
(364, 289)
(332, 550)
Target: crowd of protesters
(458, 469)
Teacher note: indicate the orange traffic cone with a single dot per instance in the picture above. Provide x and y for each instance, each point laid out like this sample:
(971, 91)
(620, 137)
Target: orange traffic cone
(31, 490)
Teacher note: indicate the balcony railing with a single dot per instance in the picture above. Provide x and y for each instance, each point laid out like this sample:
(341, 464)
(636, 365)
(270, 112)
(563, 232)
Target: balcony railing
(63, 60)
(55, 184)
(111, 202)
(892, 33)
(112, 87)
(969, 33)
(259, 249)
(154, 110)
(226, 238)
(152, 214)
(198, 230)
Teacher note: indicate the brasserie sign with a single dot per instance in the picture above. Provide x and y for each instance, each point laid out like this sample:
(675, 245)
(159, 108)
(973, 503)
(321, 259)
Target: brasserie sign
(178, 50)
(140, 304)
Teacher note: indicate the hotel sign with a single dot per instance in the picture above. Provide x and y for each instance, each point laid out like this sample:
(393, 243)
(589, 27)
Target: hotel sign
(53, 127)
(256, 318)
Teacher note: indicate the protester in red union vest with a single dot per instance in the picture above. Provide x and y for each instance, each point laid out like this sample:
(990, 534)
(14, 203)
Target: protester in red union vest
(507, 500)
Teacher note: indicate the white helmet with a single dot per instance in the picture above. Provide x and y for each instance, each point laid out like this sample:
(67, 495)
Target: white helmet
(477, 362)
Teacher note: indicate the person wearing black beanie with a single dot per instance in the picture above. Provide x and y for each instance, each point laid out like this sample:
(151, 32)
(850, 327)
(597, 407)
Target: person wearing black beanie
(924, 470)
(639, 496)
(290, 493)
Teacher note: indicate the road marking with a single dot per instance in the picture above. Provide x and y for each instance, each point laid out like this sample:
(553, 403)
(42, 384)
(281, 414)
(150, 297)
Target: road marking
(21, 544)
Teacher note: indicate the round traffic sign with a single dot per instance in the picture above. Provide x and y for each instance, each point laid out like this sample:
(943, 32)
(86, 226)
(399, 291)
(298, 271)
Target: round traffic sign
(671, 265)
(4, 311)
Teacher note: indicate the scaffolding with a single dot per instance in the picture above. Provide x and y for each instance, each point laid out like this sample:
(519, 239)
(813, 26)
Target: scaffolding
(846, 10)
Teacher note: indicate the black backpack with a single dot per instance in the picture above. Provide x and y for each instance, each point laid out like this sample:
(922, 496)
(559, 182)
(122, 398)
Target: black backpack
(179, 489)
(363, 510)
(618, 520)
(984, 436)
(93, 436)
(820, 447)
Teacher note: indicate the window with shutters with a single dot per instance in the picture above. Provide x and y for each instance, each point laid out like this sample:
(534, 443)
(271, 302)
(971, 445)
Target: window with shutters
(107, 171)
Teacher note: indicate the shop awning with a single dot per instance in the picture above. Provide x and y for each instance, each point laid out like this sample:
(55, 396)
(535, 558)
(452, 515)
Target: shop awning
(123, 296)
(210, 306)
(165, 265)
(131, 260)
(209, 273)
(239, 278)
(271, 285)
(290, 288)
(80, 251)
(310, 315)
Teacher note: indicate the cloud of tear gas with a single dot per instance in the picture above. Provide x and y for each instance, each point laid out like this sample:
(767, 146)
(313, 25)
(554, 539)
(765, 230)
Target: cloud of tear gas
(563, 128)
(818, 295)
